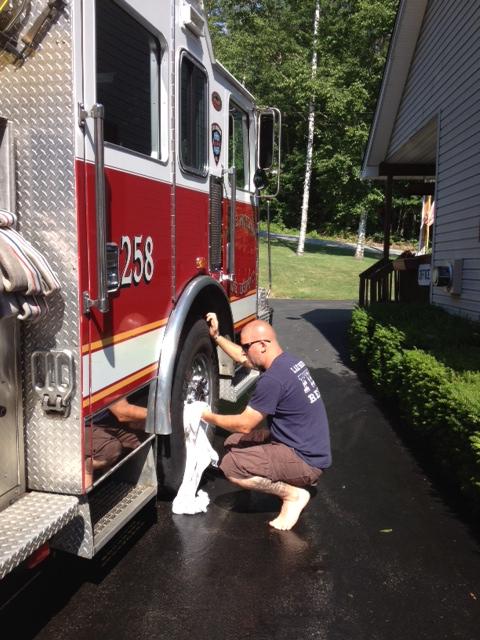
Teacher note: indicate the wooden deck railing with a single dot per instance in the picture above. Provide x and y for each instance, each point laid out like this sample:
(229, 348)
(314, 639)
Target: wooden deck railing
(378, 283)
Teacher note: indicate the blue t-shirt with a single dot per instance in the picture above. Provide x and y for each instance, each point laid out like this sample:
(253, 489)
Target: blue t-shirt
(287, 392)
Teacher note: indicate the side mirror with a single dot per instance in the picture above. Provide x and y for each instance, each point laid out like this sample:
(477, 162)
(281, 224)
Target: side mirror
(266, 141)
(269, 130)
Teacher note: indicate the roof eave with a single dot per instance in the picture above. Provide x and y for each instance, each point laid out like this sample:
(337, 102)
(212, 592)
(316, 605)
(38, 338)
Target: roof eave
(405, 34)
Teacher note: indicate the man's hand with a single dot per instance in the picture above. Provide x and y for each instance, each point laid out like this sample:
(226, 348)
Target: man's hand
(212, 322)
(232, 350)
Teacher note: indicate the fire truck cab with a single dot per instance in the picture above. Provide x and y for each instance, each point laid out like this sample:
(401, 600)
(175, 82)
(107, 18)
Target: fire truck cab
(130, 162)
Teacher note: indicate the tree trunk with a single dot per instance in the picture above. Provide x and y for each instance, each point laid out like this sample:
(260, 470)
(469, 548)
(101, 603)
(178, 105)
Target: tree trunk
(362, 227)
(311, 129)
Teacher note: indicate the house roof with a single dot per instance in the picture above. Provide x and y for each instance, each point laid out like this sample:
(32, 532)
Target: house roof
(402, 48)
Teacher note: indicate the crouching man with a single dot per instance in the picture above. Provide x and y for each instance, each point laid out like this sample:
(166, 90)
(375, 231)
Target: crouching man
(291, 455)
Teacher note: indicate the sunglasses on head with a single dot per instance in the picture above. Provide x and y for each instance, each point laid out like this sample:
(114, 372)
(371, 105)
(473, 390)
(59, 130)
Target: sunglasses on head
(246, 346)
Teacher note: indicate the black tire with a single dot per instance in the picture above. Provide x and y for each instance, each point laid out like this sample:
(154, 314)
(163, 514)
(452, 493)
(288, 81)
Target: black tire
(195, 378)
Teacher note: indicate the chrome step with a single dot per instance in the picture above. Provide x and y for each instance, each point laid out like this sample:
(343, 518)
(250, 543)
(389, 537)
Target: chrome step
(264, 310)
(101, 515)
(114, 505)
(111, 504)
(29, 523)
(233, 390)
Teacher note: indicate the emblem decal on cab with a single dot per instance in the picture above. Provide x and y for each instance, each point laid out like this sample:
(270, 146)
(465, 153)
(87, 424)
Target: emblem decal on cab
(216, 101)
(216, 141)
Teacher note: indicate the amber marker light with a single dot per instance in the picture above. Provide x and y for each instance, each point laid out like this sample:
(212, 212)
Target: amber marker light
(201, 263)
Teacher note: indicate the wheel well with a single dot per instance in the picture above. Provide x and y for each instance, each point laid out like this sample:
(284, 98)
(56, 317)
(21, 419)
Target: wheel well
(210, 299)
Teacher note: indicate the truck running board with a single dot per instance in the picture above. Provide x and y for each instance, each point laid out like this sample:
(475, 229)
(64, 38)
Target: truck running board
(30, 522)
(111, 504)
(102, 515)
(233, 389)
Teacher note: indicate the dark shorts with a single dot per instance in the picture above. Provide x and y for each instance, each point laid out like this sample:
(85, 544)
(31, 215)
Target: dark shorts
(254, 454)
(109, 444)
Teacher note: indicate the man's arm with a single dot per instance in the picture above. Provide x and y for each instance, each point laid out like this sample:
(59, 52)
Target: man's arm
(126, 412)
(239, 423)
(232, 350)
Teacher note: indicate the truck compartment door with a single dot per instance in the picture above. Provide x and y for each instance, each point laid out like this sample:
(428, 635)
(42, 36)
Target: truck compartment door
(12, 460)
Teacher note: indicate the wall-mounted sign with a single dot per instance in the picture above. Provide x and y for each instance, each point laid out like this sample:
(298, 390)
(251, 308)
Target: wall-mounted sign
(216, 101)
(216, 141)
(424, 275)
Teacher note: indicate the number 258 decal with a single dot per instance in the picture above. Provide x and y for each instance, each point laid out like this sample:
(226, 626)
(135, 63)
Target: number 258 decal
(138, 259)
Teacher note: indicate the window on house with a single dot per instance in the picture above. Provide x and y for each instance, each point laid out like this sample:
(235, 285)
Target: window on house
(128, 80)
(193, 116)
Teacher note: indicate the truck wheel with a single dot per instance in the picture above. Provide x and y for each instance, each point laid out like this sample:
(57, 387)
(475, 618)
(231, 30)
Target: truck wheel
(195, 378)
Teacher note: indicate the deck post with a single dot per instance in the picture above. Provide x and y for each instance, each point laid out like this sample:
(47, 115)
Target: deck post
(387, 221)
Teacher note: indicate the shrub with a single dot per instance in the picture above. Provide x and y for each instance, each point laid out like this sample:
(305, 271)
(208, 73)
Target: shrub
(384, 350)
(424, 389)
(453, 340)
(358, 334)
(426, 361)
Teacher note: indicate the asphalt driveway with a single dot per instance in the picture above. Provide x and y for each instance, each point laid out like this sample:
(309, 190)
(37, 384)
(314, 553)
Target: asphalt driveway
(377, 554)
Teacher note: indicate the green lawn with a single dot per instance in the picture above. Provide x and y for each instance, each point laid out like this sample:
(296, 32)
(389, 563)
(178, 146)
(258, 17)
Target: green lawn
(322, 273)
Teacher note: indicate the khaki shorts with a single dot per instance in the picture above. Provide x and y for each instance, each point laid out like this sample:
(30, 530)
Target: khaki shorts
(254, 454)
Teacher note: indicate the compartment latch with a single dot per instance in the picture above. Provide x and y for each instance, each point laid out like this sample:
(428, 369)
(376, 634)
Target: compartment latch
(53, 380)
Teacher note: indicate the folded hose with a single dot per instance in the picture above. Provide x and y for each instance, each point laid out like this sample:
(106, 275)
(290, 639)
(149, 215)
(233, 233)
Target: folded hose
(26, 278)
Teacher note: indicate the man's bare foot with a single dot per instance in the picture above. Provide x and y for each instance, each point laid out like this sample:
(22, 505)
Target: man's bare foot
(292, 507)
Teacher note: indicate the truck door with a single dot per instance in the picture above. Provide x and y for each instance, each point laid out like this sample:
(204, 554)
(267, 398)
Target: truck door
(125, 259)
(242, 233)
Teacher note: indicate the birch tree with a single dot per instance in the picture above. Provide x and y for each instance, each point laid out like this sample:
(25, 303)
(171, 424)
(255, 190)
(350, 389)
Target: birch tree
(268, 44)
(311, 134)
(362, 227)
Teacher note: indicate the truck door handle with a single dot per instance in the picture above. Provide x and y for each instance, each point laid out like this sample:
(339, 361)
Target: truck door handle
(102, 302)
(233, 205)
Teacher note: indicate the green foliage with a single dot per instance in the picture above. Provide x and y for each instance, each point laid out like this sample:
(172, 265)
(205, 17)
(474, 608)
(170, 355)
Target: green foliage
(453, 340)
(436, 390)
(359, 335)
(382, 357)
(268, 46)
(425, 390)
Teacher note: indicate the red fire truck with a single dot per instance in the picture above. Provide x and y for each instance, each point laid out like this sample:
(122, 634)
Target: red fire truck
(131, 164)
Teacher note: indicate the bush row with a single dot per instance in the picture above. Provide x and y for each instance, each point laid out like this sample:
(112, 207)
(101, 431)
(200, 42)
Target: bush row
(426, 362)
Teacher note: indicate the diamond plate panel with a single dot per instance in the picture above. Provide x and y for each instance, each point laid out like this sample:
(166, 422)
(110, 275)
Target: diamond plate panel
(226, 390)
(77, 537)
(263, 308)
(233, 390)
(100, 515)
(38, 100)
(29, 523)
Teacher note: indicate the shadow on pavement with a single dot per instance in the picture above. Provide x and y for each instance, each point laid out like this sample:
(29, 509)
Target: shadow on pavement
(248, 502)
(333, 326)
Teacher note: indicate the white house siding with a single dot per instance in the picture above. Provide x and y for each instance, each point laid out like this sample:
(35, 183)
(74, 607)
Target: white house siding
(444, 82)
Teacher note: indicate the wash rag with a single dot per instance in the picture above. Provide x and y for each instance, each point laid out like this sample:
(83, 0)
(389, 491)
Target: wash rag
(200, 454)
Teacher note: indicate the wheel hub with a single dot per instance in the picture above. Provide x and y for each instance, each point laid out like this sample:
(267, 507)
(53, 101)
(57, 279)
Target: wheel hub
(197, 383)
